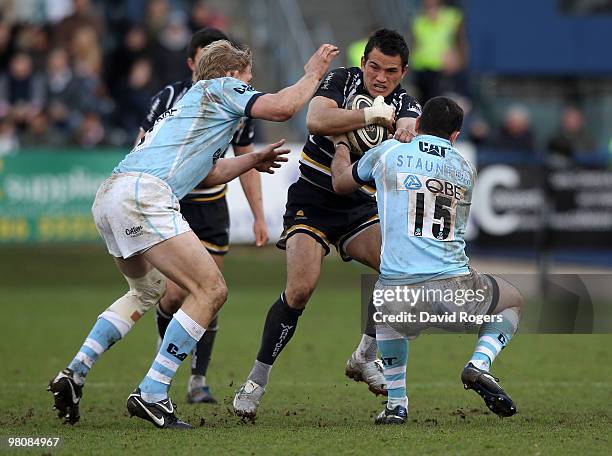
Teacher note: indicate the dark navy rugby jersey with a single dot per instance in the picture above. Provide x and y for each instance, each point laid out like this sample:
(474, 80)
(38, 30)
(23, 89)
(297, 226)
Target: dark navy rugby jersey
(341, 85)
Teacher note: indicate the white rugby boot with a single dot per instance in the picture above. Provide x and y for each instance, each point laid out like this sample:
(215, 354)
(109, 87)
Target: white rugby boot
(247, 399)
(370, 372)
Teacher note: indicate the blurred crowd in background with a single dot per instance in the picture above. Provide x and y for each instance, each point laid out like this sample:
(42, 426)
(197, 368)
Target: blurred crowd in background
(439, 58)
(81, 72)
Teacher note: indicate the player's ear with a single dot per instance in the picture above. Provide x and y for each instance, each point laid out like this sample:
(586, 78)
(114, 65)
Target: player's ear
(404, 71)
(363, 61)
(191, 64)
(453, 137)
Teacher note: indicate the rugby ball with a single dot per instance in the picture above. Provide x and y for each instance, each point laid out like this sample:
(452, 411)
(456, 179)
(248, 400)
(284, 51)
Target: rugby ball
(371, 135)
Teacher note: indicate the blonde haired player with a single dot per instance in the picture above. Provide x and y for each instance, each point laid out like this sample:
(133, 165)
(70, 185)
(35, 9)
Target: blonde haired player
(206, 210)
(136, 213)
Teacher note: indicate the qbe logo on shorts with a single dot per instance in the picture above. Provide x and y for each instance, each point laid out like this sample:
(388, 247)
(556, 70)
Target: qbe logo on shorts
(134, 231)
(432, 206)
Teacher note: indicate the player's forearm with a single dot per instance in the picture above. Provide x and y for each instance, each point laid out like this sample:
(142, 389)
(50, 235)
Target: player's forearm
(300, 93)
(227, 169)
(334, 121)
(283, 105)
(251, 185)
(342, 171)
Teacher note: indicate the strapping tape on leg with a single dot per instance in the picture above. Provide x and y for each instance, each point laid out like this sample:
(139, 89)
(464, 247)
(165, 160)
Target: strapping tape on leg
(144, 294)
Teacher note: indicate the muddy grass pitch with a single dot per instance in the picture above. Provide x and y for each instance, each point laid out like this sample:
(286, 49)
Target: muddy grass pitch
(50, 298)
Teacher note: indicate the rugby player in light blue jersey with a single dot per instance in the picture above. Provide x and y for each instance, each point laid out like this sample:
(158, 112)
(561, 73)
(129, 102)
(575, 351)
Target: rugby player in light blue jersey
(424, 191)
(136, 211)
(206, 210)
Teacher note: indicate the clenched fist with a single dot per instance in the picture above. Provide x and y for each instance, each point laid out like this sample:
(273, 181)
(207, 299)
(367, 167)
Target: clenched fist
(380, 113)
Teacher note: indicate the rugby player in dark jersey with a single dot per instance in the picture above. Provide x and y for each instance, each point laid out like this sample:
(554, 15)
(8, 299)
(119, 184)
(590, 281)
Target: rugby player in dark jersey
(317, 218)
(205, 209)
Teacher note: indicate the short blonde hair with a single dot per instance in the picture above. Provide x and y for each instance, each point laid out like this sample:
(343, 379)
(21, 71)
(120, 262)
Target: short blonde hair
(221, 57)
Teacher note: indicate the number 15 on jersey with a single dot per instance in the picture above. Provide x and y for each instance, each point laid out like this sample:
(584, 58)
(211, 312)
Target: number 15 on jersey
(432, 205)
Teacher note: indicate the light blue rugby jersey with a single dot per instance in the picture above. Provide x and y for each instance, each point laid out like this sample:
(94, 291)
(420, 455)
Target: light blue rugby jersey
(187, 139)
(424, 192)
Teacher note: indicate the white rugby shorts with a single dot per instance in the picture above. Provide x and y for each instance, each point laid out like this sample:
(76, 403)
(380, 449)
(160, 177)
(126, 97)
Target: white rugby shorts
(135, 211)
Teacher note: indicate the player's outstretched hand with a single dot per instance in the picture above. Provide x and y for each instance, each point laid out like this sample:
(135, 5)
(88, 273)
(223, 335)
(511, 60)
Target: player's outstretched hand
(320, 60)
(380, 113)
(271, 157)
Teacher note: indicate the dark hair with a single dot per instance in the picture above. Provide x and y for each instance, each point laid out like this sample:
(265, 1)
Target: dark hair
(203, 38)
(441, 117)
(390, 43)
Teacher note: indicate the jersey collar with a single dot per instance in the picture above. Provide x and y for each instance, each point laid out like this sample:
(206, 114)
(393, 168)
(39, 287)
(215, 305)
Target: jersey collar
(434, 138)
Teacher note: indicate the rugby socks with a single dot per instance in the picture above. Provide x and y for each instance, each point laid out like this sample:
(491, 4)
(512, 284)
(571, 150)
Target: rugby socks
(493, 337)
(370, 324)
(163, 320)
(394, 354)
(181, 337)
(279, 328)
(108, 329)
(196, 382)
(200, 358)
(203, 349)
(366, 350)
(260, 373)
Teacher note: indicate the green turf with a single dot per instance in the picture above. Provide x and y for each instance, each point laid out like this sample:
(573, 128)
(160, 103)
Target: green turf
(50, 298)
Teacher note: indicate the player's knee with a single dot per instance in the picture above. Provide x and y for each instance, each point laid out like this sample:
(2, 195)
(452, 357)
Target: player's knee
(149, 288)
(212, 293)
(510, 296)
(517, 302)
(297, 297)
(219, 295)
(144, 294)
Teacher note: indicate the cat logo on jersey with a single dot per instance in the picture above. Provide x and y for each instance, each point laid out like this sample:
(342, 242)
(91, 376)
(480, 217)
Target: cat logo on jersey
(411, 182)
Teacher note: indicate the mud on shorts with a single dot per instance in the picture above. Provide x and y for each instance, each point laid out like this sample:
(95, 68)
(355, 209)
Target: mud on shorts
(135, 211)
(325, 216)
(455, 304)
